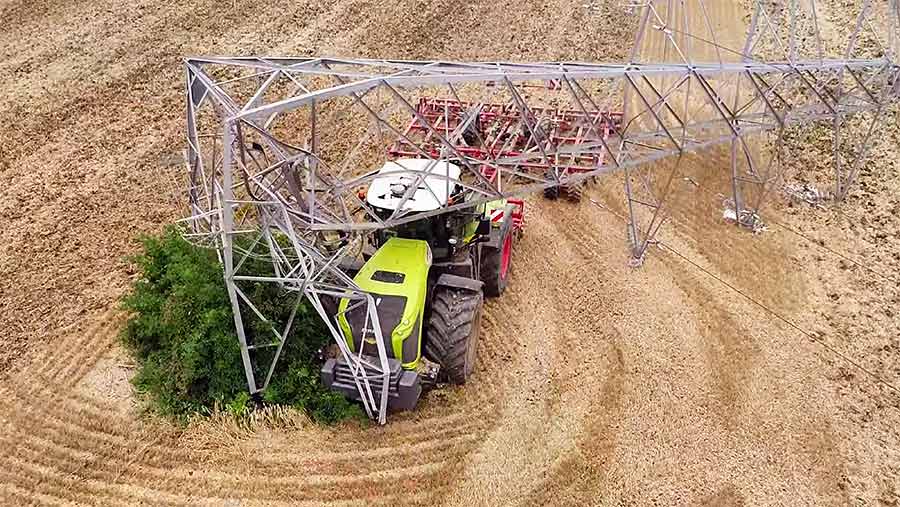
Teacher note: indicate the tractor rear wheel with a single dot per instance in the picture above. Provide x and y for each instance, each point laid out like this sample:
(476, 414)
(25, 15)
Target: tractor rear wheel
(495, 265)
(452, 335)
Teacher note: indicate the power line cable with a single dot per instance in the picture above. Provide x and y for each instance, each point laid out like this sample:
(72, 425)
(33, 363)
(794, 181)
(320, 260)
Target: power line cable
(786, 227)
(845, 257)
(775, 314)
(768, 310)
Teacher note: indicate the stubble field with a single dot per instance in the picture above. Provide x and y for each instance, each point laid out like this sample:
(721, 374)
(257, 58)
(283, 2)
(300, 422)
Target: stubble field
(596, 384)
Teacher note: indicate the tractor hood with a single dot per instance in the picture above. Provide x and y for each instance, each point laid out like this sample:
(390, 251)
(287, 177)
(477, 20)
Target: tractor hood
(394, 180)
(397, 277)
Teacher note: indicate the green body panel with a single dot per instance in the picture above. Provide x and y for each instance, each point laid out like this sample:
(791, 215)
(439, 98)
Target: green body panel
(412, 258)
(471, 227)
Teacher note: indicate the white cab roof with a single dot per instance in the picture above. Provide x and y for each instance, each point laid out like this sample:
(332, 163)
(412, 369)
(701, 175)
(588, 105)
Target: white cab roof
(387, 189)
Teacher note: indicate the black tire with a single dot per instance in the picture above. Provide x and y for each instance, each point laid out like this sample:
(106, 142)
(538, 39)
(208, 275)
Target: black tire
(491, 268)
(551, 193)
(573, 191)
(452, 333)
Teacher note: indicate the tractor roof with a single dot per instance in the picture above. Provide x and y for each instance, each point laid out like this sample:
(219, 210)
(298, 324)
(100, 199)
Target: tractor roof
(436, 182)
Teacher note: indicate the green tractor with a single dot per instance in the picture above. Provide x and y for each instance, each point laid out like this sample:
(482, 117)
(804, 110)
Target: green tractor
(429, 278)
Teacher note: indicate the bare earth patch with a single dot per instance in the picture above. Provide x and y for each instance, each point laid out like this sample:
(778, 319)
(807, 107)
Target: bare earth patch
(109, 381)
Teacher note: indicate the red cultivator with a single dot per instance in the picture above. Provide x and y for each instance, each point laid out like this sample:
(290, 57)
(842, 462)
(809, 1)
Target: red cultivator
(498, 135)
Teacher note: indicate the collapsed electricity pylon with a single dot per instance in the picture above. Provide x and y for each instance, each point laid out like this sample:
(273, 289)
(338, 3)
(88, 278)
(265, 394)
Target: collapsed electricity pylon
(802, 86)
(280, 148)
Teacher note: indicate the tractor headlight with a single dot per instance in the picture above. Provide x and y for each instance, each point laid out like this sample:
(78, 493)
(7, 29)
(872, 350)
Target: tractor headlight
(403, 329)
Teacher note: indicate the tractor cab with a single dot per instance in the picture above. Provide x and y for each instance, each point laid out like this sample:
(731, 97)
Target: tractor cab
(437, 185)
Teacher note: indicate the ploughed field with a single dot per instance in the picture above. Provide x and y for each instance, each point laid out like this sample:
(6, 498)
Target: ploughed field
(596, 384)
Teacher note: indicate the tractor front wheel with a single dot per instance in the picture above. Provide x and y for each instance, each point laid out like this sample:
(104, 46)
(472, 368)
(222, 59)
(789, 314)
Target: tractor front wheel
(452, 336)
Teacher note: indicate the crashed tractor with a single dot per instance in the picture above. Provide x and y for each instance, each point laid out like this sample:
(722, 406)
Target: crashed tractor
(429, 277)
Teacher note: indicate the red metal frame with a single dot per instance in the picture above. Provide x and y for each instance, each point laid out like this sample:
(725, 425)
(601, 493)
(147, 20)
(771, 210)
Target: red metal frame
(503, 135)
(518, 214)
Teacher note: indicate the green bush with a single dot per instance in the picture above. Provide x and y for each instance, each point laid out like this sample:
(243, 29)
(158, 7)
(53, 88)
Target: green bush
(181, 332)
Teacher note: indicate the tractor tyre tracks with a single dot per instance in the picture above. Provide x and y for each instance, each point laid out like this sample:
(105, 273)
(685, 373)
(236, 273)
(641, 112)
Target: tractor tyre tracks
(76, 448)
(558, 298)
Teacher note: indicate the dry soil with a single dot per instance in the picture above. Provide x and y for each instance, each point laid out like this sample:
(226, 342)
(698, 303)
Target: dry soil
(596, 384)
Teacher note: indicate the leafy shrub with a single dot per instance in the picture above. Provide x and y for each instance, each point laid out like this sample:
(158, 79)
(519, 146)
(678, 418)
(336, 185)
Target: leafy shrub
(181, 332)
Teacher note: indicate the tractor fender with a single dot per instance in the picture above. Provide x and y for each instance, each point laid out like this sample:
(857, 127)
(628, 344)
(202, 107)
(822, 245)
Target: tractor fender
(459, 282)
